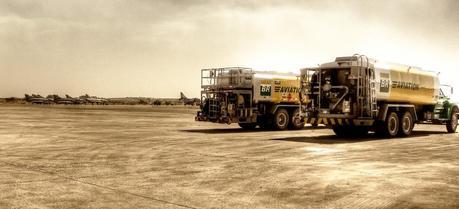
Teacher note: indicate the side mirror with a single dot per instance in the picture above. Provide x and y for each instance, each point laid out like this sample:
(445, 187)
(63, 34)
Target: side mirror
(452, 90)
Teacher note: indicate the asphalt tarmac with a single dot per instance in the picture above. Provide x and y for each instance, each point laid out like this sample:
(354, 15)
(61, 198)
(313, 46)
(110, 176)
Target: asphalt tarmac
(159, 157)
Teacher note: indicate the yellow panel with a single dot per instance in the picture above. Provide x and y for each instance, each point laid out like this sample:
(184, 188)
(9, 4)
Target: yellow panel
(284, 90)
(416, 88)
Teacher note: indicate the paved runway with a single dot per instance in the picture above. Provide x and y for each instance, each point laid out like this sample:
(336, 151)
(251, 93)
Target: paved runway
(159, 157)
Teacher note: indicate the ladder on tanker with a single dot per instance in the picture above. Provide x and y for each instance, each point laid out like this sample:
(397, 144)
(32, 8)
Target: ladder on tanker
(366, 88)
(214, 108)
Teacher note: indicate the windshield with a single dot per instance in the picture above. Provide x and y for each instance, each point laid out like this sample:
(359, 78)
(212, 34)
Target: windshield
(446, 91)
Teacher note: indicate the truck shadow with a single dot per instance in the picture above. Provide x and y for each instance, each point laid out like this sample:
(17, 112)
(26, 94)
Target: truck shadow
(333, 139)
(240, 130)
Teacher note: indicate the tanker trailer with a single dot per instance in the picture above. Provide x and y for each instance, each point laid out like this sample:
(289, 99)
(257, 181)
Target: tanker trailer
(354, 95)
(250, 98)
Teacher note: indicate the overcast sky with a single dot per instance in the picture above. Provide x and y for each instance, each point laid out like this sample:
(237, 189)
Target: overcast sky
(157, 48)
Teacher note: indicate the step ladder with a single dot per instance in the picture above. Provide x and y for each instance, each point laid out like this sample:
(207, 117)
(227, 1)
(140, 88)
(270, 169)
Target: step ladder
(214, 108)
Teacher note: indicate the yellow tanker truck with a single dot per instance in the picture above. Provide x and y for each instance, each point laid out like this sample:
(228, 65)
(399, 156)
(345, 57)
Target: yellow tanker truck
(250, 98)
(355, 94)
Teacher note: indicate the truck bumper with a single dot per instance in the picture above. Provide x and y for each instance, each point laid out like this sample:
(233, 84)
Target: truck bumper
(205, 118)
(339, 121)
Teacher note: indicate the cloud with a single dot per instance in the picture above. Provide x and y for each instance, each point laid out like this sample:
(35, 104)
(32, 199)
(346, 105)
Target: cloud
(156, 48)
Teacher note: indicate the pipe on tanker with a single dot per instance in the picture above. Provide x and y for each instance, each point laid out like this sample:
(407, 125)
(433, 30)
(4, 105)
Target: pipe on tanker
(342, 97)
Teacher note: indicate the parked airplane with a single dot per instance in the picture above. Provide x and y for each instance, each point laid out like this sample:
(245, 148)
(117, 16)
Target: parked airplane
(38, 99)
(67, 100)
(188, 101)
(75, 100)
(93, 100)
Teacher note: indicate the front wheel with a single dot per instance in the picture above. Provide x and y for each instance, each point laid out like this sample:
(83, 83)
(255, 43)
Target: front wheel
(281, 119)
(451, 126)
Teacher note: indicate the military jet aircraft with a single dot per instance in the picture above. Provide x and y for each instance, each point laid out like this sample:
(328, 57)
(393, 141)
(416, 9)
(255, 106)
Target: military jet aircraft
(75, 100)
(93, 100)
(38, 99)
(188, 101)
(67, 100)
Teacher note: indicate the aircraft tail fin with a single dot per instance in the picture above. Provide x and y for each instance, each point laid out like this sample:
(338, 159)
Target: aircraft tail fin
(182, 96)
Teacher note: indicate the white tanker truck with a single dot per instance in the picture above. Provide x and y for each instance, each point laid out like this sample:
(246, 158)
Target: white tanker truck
(355, 94)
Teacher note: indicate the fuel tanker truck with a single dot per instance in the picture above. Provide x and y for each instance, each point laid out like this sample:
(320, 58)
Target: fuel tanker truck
(250, 98)
(354, 95)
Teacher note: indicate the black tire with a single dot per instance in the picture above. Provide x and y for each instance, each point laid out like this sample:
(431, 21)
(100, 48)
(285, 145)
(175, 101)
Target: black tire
(390, 127)
(265, 122)
(295, 121)
(360, 131)
(406, 124)
(451, 126)
(248, 126)
(265, 125)
(281, 119)
(341, 131)
(350, 131)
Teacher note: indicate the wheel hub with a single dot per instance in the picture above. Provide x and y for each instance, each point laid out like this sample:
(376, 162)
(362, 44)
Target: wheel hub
(392, 125)
(406, 124)
(282, 120)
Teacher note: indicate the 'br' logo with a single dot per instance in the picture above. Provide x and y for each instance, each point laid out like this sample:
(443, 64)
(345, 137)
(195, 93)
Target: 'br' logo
(265, 90)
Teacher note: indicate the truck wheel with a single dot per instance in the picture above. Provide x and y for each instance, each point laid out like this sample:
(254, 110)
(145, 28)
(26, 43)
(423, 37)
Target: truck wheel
(406, 124)
(451, 126)
(350, 131)
(265, 122)
(391, 125)
(359, 131)
(341, 131)
(281, 119)
(248, 126)
(265, 125)
(295, 121)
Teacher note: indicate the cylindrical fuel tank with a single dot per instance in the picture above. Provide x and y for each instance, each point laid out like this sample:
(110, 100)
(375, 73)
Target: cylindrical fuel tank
(276, 87)
(405, 84)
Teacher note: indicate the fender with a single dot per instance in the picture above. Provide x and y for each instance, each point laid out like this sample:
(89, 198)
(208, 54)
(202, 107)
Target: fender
(450, 106)
(385, 108)
(275, 107)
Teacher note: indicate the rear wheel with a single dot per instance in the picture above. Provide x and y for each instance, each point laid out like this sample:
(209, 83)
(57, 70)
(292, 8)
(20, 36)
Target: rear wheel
(281, 119)
(406, 124)
(295, 120)
(350, 131)
(390, 127)
(341, 131)
(451, 126)
(265, 125)
(248, 126)
(359, 131)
